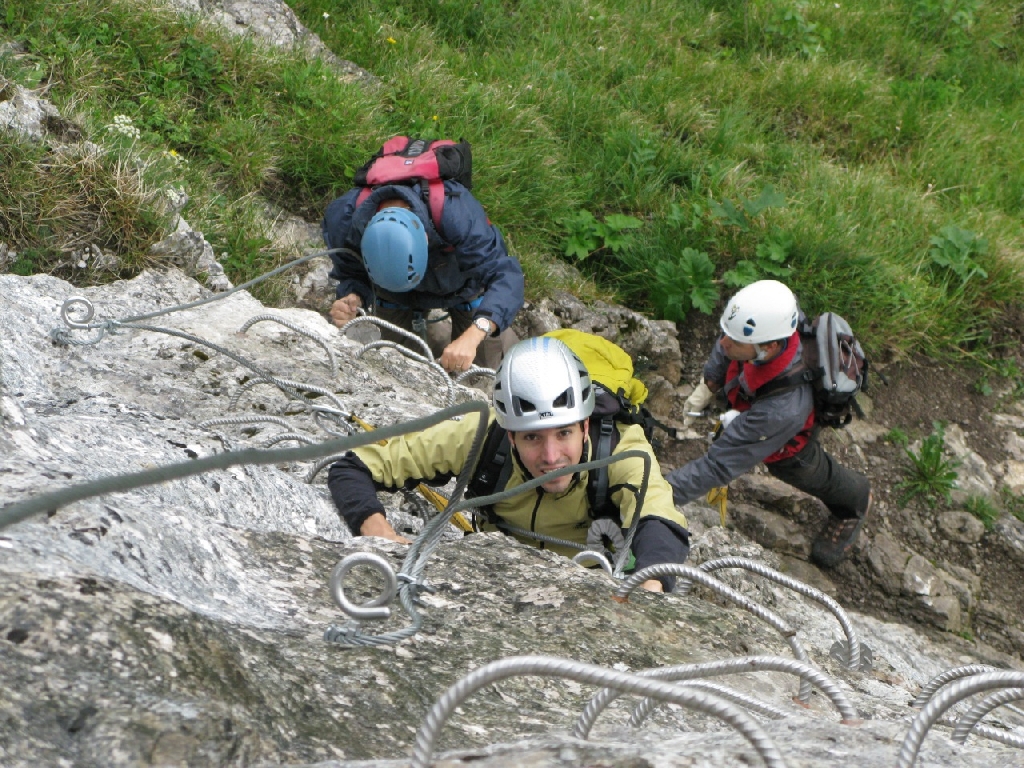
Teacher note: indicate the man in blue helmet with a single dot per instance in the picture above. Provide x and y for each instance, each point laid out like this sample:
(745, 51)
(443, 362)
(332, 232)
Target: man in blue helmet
(398, 263)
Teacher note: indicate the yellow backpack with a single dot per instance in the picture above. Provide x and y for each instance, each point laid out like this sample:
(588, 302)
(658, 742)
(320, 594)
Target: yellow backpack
(608, 363)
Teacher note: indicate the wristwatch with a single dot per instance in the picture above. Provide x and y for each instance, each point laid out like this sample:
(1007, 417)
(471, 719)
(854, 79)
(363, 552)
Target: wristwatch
(483, 324)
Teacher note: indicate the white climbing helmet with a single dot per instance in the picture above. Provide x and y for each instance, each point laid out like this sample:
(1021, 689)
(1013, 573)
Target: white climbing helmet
(763, 311)
(541, 384)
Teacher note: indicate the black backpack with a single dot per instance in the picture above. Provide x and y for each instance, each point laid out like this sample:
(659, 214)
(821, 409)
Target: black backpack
(404, 160)
(834, 364)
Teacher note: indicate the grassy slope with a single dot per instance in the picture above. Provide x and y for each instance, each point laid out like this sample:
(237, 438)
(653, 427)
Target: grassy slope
(881, 124)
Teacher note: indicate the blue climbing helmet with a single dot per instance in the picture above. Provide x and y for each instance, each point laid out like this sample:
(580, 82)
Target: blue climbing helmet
(394, 248)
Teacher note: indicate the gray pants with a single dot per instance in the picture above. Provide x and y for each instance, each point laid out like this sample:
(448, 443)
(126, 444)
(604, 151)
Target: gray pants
(440, 335)
(844, 491)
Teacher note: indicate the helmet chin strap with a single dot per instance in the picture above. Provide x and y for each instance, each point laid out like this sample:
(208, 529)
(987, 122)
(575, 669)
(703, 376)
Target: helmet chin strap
(761, 353)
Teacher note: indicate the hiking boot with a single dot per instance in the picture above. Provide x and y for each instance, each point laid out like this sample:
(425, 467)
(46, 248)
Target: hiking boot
(836, 539)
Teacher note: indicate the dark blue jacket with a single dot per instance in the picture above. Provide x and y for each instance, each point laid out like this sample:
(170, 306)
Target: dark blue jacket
(467, 259)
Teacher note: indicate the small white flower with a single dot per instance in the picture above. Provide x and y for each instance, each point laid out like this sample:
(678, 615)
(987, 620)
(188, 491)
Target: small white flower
(326, 15)
(123, 124)
(529, 87)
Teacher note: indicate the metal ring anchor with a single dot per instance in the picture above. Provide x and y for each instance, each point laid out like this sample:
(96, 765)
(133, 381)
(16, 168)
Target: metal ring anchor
(372, 609)
(77, 302)
(590, 557)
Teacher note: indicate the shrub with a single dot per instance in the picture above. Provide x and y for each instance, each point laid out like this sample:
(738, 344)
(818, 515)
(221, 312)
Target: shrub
(931, 475)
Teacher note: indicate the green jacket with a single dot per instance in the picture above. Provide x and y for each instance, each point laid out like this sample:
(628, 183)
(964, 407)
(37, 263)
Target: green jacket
(443, 450)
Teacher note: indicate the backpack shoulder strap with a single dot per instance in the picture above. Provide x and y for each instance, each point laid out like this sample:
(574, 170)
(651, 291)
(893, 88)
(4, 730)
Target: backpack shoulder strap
(493, 468)
(601, 437)
(436, 202)
(799, 376)
(604, 436)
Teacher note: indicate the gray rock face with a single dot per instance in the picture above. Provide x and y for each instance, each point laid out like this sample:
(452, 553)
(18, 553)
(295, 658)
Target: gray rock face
(182, 623)
(274, 23)
(24, 113)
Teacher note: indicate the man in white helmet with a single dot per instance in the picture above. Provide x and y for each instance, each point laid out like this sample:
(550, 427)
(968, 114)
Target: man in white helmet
(543, 397)
(759, 344)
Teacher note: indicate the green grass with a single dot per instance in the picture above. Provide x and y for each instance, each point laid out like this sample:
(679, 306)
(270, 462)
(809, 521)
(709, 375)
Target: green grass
(888, 134)
(983, 509)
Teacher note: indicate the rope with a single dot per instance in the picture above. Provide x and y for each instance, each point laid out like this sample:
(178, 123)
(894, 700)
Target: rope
(515, 666)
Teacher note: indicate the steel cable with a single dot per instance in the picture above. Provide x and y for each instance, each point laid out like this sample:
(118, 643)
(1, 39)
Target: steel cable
(410, 577)
(61, 335)
(430, 536)
(13, 513)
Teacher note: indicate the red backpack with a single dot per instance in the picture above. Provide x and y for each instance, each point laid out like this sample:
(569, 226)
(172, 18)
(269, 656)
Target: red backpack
(403, 160)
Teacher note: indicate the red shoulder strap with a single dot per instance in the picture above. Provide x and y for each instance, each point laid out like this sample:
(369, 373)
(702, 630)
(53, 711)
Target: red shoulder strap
(436, 203)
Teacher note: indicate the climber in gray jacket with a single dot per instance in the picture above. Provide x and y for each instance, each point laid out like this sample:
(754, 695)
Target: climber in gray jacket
(760, 343)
